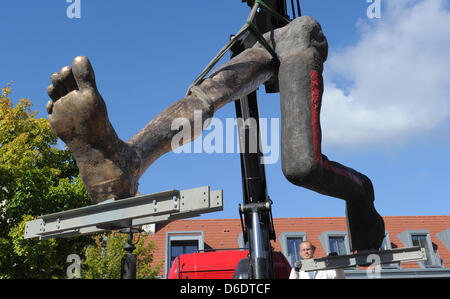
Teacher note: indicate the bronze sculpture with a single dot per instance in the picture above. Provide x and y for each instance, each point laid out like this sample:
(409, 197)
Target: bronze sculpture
(111, 167)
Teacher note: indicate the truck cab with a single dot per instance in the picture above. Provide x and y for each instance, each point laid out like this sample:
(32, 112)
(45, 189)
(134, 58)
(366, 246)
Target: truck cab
(221, 264)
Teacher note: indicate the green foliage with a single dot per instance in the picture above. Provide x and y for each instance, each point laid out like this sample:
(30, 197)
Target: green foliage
(36, 178)
(37, 259)
(105, 261)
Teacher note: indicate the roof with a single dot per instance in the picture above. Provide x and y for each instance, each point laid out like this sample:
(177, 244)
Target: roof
(224, 233)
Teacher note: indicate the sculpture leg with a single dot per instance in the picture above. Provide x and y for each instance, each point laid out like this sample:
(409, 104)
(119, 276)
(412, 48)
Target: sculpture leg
(301, 88)
(110, 167)
(233, 80)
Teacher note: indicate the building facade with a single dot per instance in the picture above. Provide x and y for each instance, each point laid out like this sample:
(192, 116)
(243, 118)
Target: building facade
(328, 234)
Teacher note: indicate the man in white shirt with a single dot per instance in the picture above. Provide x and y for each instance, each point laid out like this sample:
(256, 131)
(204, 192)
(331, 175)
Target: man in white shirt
(307, 252)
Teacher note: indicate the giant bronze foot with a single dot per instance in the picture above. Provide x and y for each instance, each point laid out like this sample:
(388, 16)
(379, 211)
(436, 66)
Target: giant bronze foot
(77, 114)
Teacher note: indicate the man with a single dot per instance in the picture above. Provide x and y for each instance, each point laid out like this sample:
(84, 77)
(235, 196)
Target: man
(307, 252)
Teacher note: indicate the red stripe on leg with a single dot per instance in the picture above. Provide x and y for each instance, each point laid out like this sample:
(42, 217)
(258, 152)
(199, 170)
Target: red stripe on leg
(315, 119)
(340, 171)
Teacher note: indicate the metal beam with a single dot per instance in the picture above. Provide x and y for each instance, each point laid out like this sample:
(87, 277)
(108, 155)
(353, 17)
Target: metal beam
(129, 212)
(368, 258)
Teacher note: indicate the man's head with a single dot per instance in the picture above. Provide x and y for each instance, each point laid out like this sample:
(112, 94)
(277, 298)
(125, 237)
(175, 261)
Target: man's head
(307, 250)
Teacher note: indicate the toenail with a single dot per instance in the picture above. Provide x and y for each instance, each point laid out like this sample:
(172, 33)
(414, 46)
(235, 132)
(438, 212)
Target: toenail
(55, 76)
(49, 107)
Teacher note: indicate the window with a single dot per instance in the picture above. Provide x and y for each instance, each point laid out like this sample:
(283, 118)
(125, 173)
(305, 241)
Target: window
(290, 245)
(421, 238)
(182, 247)
(337, 245)
(293, 246)
(335, 241)
(178, 243)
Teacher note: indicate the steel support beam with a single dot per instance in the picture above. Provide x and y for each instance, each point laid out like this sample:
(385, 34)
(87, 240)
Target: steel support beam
(125, 213)
(368, 258)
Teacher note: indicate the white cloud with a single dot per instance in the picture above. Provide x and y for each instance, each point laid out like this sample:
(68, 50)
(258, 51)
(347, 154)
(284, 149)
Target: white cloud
(400, 77)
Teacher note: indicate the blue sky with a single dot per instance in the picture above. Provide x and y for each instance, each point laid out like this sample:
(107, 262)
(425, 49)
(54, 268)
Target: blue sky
(385, 110)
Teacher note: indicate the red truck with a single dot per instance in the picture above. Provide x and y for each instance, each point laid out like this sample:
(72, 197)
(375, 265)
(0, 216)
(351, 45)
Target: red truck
(220, 265)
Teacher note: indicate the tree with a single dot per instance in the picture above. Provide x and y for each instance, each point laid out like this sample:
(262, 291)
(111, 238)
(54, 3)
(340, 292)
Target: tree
(104, 259)
(36, 178)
